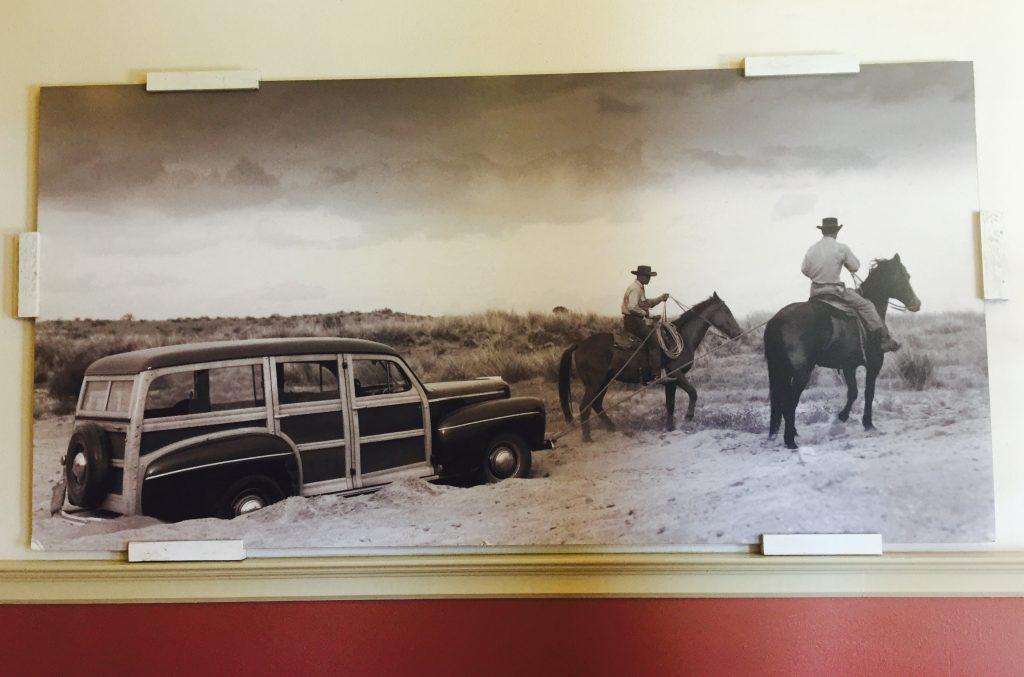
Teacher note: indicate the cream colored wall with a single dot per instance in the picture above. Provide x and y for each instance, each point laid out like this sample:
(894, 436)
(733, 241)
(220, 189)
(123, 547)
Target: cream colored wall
(45, 42)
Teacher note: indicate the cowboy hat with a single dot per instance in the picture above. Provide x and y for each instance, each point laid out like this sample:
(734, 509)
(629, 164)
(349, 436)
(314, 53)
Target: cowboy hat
(643, 270)
(829, 224)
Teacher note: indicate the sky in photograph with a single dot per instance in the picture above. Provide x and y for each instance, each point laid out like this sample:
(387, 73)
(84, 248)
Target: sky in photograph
(458, 195)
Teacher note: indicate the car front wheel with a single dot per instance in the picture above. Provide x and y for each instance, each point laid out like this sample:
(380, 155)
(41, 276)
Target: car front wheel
(248, 494)
(507, 456)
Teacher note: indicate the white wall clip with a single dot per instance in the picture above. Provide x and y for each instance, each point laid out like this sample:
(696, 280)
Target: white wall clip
(993, 256)
(28, 275)
(799, 64)
(186, 551)
(183, 81)
(821, 544)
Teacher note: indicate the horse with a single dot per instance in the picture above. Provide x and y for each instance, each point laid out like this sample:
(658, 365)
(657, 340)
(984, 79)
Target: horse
(800, 337)
(598, 361)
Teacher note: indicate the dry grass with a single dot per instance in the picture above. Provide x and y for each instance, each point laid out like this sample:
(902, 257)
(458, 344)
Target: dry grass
(943, 355)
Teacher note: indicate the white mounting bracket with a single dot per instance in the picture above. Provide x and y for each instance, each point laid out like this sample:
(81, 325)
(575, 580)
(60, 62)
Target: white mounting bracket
(821, 544)
(993, 256)
(186, 551)
(28, 275)
(799, 64)
(184, 81)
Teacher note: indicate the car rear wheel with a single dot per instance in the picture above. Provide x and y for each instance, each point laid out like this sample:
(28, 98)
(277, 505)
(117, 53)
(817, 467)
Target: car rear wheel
(507, 456)
(248, 494)
(86, 465)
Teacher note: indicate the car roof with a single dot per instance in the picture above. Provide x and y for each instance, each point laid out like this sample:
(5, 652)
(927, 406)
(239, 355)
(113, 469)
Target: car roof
(214, 351)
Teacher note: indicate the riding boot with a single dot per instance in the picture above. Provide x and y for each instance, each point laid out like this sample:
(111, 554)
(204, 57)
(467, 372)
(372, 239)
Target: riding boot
(886, 342)
(656, 372)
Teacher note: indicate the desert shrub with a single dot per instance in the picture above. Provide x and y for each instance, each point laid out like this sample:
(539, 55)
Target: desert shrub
(751, 418)
(915, 369)
(512, 366)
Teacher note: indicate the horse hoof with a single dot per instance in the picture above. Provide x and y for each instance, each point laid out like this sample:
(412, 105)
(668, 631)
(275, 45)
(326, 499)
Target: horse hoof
(772, 436)
(689, 417)
(792, 445)
(843, 418)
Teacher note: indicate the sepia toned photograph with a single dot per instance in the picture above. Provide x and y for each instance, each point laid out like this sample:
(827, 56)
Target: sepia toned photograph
(645, 309)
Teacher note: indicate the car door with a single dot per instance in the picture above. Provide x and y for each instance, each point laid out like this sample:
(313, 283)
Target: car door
(390, 420)
(310, 409)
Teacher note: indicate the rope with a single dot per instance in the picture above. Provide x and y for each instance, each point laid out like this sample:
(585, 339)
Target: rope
(660, 330)
(572, 426)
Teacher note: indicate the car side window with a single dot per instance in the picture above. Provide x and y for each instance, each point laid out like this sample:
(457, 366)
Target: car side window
(120, 395)
(235, 387)
(95, 396)
(378, 377)
(205, 390)
(171, 394)
(307, 381)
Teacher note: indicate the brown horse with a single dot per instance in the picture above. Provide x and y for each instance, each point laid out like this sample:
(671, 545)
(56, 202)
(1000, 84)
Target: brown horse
(803, 335)
(598, 361)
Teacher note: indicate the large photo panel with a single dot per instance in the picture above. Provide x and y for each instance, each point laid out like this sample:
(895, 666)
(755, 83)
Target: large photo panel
(646, 309)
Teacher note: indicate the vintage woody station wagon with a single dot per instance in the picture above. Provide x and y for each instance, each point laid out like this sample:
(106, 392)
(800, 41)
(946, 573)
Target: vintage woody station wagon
(225, 428)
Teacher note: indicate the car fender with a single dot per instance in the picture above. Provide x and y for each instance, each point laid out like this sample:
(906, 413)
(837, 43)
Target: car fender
(472, 426)
(227, 448)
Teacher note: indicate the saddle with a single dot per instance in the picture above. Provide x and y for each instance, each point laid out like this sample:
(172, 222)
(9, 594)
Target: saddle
(623, 341)
(626, 343)
(841, 315)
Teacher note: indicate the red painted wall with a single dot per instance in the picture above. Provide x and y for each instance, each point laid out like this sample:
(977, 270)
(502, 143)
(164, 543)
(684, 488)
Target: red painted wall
(521, 637)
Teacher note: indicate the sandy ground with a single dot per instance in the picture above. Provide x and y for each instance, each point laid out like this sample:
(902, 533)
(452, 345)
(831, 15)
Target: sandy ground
(931, 482)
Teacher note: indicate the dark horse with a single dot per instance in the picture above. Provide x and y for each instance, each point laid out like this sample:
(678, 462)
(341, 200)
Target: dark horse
(802, 335)
(598, 360)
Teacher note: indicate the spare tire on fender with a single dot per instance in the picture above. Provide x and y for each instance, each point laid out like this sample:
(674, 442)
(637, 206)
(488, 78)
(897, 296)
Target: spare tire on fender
(86, 466)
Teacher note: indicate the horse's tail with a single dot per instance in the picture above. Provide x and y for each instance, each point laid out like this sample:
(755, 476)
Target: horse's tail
(564, 376)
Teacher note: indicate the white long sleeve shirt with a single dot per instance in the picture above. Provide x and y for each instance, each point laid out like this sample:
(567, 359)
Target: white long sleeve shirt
(634, 301)
(825, 260)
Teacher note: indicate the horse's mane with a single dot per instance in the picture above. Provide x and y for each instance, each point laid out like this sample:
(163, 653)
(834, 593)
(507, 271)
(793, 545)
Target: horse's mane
(878, 263)
(695, 310)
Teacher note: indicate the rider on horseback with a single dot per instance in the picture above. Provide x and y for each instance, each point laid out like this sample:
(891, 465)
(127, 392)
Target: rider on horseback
(636, 309)
(824, 262)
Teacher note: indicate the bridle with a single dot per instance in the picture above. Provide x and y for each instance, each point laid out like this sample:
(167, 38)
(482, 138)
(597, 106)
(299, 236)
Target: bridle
(892, 304)
(706, 321)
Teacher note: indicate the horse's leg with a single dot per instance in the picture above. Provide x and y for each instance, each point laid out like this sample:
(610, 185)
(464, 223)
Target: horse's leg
(586, 404)
(691, 392)
(609, 425)
(776, 417)
(869, 393)
(850, 374)
(801, 375)
(778, 390)
(670, 405)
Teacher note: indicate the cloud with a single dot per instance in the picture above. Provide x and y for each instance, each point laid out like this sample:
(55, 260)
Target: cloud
(333, 175)
(791, 205)
(609, 104)
(819, 159)
(245, 172)
(729, 161)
